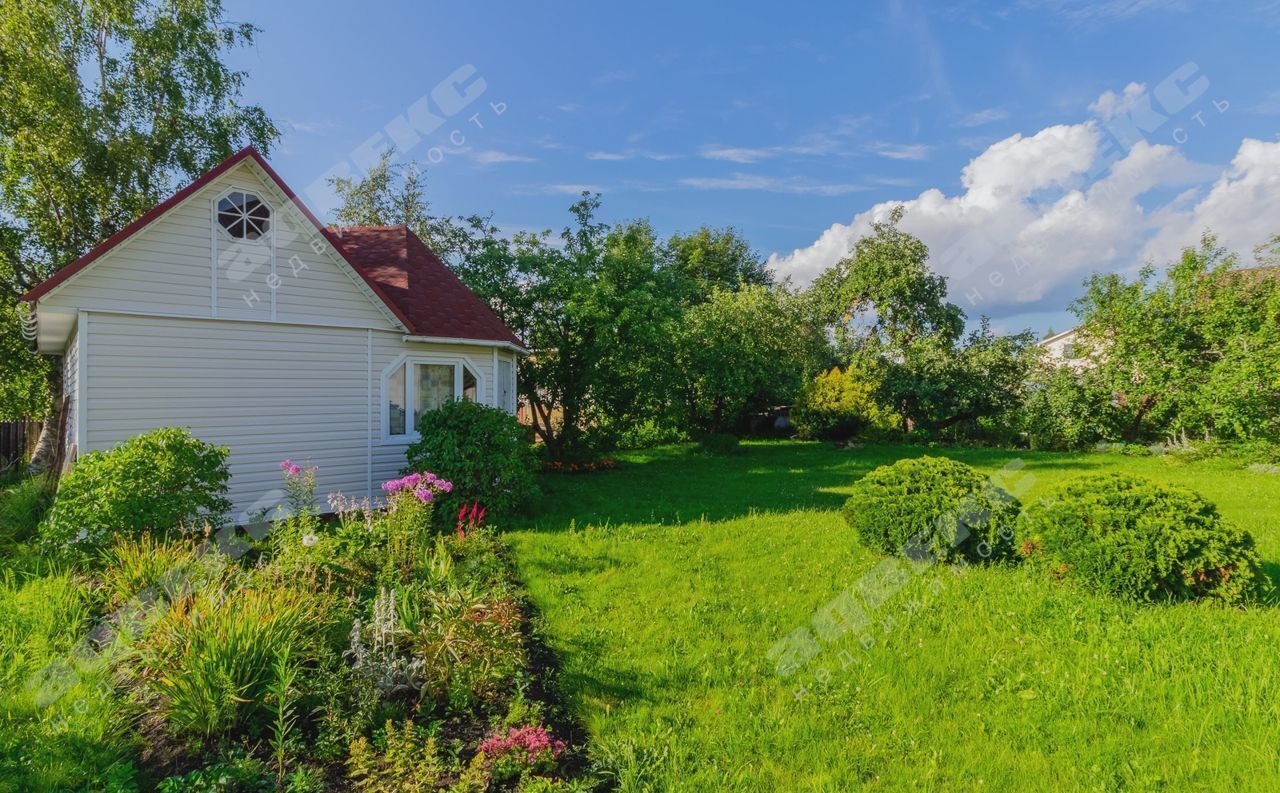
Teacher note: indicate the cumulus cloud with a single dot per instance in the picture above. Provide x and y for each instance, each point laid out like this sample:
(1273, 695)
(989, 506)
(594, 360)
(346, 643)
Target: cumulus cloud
(1110, 104)
(1037, 214)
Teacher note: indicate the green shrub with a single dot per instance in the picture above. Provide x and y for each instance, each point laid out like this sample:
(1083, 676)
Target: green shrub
(1141, 539)
(838, 405)
(720, 443)
(22, 505)
(932, 505)
(481, 450)
(162, 480)
(1067, 410)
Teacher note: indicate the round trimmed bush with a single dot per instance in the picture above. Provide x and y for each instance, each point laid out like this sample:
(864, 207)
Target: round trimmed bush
(933, 506)
(481, 450)
(1141, 539)
(158, 481)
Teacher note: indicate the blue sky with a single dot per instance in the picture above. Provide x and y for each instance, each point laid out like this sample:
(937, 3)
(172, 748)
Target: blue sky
(1137, 123)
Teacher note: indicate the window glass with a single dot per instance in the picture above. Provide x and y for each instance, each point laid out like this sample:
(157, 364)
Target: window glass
(469, 388)
(396, 402)
(244, 216)
(435, 387)
(506, 386)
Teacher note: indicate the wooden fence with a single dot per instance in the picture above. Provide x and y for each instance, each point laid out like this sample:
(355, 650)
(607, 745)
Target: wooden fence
(17, 441)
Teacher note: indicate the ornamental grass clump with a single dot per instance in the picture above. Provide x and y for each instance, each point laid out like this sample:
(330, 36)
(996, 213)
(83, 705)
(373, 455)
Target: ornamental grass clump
(932, 507)
(1143, 540)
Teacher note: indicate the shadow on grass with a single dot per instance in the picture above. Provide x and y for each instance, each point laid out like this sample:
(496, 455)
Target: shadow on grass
(675, 484)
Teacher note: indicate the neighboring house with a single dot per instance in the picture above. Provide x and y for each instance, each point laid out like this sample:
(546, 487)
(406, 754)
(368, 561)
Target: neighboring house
(230, 310)
(1060, 349)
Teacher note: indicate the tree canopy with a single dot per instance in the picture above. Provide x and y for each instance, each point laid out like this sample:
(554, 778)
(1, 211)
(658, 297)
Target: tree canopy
(104, 108)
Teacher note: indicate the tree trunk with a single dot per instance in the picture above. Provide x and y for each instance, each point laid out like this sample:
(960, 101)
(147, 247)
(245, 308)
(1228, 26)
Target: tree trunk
(46, 446)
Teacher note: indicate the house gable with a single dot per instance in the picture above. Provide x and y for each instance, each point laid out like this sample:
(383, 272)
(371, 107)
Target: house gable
(179, 261)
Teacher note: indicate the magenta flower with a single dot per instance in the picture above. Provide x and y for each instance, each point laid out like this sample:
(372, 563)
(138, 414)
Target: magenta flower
(528, 744)
(286, 465)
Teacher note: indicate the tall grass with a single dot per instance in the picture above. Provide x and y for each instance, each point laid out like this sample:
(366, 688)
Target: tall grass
(22, 506)
(210, 659)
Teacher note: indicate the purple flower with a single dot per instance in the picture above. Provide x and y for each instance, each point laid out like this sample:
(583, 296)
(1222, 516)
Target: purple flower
(424, 494)
(445, 486)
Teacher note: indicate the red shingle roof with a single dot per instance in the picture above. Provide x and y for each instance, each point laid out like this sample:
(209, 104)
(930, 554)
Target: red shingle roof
(423, 289)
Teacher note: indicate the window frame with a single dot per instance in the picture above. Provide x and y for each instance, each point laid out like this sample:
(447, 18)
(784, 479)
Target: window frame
(405, 363)
(267, 238)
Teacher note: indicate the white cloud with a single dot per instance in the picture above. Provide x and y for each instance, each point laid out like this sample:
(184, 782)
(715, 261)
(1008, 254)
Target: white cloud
(809, 146)
(900, 151)
(770, 184)
(983, 117)
(1269, 105)
(570, 189)
(1110, 104)
(1101, 11)
(738, 155)
(1038, 214)
(498, 157)
(630, 154)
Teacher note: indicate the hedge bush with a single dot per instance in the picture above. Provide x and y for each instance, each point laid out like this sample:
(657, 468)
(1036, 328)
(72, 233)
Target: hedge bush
(933, 505)
(720, 443)
(481, 450)
(838, 405)
(1141, 539)
(159, 481)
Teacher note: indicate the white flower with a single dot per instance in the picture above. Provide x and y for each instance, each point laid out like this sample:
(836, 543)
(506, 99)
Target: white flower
(310, 540)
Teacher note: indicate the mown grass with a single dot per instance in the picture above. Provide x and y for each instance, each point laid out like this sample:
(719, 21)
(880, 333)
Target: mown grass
(664, 584)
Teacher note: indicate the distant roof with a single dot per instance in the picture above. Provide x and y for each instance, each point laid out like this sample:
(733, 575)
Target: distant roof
(427, 293)
(1057, 336)
(415, 286)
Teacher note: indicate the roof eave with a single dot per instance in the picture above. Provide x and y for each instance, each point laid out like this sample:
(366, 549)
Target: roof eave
(502, 345)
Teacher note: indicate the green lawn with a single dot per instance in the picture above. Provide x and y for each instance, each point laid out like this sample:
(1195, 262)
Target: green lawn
(665, 583)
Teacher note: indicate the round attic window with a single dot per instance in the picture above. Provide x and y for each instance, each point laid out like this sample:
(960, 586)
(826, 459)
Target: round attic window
(244, 216)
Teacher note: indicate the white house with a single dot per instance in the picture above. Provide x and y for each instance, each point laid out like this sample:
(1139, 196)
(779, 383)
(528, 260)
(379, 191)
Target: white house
(1060, 349)
(230, 310)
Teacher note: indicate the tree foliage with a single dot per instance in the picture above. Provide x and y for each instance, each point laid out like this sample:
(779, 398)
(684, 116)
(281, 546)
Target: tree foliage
(104, 107)
(1192, 354)
(744, 351)
(892, 318)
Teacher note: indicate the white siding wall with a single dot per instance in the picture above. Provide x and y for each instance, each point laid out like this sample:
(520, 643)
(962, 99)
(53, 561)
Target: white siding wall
(265, 390)
(168, 268)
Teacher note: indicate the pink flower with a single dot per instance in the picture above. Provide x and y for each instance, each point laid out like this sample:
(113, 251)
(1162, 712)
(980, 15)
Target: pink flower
(424, 494)
(529, 744)
(286, 465)
(294, 470)
(445, 486)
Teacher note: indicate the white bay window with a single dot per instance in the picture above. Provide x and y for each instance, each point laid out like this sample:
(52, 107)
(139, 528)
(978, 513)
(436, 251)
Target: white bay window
(424, 384)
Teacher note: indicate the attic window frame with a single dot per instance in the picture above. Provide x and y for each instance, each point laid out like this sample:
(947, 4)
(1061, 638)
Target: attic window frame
(266, 234)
